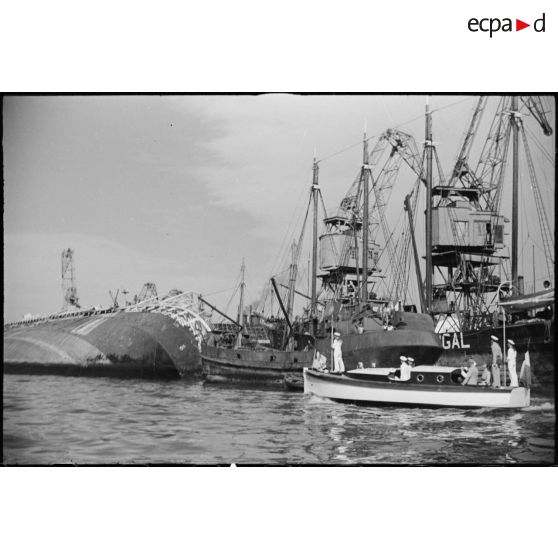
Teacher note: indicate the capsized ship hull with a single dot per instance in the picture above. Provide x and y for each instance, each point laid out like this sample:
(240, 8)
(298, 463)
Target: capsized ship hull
(136, 344)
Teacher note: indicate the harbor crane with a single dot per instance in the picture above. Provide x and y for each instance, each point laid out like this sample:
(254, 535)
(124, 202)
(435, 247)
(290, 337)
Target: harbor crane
(467, 212)
(69, 291)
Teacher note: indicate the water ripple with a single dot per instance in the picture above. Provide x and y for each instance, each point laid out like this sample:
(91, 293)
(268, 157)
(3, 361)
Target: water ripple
(68, 420)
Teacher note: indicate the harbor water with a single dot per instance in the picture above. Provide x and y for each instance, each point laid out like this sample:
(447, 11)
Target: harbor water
(76, 420)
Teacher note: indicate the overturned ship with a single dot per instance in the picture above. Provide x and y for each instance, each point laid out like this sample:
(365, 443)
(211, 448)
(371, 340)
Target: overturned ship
(158, 337)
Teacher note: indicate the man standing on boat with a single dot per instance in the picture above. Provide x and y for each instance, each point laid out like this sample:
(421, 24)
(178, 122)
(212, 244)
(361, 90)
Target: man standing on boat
(338, 365)
(511, 358)
(497, 358)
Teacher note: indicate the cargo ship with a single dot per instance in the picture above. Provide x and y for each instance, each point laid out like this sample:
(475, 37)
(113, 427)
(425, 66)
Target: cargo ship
(359, 281)
(376, 327)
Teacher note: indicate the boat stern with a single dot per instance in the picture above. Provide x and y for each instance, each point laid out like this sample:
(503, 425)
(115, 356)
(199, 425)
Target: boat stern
(520, 397)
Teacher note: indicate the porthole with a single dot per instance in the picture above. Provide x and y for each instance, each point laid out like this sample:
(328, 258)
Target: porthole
(420, 378)
(439, 378)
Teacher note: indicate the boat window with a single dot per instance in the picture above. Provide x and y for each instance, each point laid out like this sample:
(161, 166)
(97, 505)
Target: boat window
(420, 378)
(271, 358)
(439, 378)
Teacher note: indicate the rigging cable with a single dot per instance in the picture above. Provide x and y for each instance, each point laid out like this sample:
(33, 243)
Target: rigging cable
(397, 126)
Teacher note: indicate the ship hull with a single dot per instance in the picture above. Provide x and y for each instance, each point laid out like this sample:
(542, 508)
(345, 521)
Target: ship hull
(132, 344)
(416, 338)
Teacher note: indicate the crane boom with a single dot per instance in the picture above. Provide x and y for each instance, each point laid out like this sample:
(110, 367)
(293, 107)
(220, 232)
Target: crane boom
(534, 104)
(461, 168)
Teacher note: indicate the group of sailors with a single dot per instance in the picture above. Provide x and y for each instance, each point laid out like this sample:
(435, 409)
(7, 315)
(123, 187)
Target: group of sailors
(492, 376)
(472, 377)
(405, 368)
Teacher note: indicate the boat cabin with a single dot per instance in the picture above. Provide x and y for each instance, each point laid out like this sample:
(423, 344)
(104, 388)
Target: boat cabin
(428, 375)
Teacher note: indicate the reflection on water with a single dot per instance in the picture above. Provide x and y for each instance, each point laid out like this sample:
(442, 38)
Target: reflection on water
(55, 419)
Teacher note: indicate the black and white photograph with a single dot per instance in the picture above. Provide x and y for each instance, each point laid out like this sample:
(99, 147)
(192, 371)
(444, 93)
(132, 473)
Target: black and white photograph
(279, 279)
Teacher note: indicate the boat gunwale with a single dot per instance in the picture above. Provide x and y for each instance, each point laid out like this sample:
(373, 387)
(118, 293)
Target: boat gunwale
(377, 384)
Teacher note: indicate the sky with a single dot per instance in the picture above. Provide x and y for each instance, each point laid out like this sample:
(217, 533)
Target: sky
(177, 190)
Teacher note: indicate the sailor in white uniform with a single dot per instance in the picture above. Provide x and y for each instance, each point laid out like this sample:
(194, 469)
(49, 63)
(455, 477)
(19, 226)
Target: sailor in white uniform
(496, 360)
(404, 370)
(408, 368)
(511, 358)
(338, 365)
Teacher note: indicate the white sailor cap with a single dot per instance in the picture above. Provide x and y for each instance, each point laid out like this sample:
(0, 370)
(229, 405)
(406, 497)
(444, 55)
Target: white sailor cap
(410, 359)
(336, 334)
(403, 358)
(494, 338)
(510, 341)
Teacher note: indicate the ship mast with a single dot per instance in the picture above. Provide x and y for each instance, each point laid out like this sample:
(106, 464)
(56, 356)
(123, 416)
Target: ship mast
(293, 272)
(407, 205)
(515, 191)
(240, 318)
(315, 192)
(428, 146)
(365, 219)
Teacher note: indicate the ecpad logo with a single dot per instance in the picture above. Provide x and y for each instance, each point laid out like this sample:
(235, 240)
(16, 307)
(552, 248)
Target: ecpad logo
(494, 24)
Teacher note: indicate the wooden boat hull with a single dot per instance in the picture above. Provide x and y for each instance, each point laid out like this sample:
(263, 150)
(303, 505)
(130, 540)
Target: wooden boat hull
(252, 366)
(344, 388)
